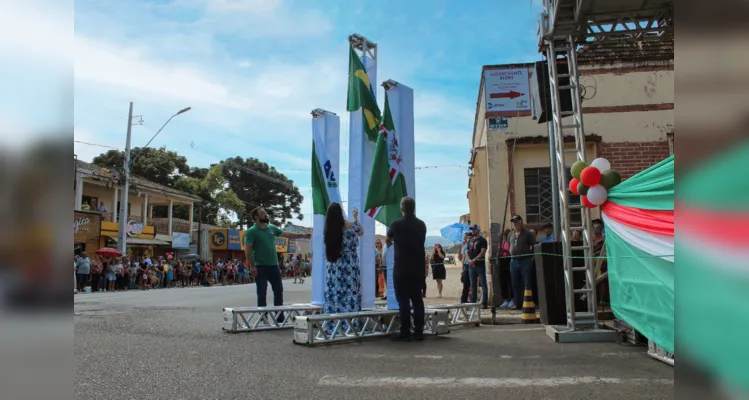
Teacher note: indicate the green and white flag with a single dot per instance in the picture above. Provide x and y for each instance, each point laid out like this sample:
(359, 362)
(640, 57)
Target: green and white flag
(324, 182)
(387, 185)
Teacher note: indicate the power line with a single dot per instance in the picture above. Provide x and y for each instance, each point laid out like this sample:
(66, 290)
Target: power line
(95, 144)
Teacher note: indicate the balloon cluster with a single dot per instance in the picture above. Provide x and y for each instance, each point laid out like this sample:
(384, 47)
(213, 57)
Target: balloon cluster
(169, 256)
(592, 182)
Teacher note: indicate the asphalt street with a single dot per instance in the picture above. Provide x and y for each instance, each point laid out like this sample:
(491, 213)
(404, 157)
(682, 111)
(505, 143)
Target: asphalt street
(168, 344)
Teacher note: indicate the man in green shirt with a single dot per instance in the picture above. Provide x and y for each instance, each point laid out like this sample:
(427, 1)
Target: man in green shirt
(260, 251)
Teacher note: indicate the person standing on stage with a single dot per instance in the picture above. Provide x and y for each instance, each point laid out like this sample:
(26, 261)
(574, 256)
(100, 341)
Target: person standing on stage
(342, 273)
(407, 236)
(260, 251)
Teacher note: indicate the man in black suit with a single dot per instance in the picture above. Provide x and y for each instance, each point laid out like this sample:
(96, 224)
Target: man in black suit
(408, 235)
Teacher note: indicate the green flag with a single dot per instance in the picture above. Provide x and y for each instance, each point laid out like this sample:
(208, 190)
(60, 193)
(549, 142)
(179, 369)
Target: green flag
(387, 186)
(361, 95)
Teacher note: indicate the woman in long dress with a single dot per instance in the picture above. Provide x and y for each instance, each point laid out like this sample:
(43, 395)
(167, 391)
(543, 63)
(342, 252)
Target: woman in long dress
(342, 276)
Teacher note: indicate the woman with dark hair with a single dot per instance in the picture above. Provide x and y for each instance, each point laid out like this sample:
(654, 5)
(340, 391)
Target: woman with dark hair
(342, 274)
(438, 267)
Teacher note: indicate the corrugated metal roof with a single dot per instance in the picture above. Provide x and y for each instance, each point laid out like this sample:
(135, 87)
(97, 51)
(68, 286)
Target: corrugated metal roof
(626, 50)
(134, 179)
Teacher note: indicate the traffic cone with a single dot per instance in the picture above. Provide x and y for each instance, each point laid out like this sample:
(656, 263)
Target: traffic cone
(529, 309)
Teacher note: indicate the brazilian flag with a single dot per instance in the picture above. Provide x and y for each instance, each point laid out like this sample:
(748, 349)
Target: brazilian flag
(361, 95)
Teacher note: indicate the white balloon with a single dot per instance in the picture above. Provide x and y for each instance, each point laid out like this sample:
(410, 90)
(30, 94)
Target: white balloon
(602, 164)
(597, 195)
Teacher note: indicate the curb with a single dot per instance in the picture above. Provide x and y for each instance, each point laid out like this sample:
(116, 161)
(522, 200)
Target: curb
(502, 319)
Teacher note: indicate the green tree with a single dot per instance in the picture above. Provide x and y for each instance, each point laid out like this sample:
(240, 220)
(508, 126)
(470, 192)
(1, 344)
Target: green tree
(157, 165)
(211, 185)
(258, 184)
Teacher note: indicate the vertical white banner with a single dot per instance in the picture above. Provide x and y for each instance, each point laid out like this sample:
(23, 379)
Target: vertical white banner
(361, 153)
(401, 99)
(329, 127)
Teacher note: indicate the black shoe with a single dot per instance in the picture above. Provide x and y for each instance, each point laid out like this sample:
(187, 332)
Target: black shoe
(484, 306)
(418, 337)
(400, 338)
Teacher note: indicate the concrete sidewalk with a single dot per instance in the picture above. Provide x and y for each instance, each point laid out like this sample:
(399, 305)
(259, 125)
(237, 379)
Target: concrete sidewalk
(452, 288)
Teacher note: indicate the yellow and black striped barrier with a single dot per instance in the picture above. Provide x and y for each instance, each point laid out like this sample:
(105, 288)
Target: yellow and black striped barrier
(529, 308)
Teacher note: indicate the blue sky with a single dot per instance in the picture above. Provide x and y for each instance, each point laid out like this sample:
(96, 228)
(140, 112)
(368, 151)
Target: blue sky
(252, 70)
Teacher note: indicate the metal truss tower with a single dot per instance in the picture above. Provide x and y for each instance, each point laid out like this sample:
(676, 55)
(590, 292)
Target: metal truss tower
(564, 26)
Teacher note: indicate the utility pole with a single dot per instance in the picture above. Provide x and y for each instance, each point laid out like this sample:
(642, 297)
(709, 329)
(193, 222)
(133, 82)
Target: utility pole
(122, 232)
(200, 230)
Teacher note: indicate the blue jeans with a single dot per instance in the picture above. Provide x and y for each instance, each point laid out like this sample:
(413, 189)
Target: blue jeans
(269, 274)
(523, 276)
(478, 276)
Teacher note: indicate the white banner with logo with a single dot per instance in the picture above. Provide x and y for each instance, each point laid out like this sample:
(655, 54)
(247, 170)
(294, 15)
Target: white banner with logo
(326, 132)
(180, 240)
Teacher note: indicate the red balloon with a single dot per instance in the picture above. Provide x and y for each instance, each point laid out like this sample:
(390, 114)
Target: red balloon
(586, 202)
(573, 186)
(590, 176)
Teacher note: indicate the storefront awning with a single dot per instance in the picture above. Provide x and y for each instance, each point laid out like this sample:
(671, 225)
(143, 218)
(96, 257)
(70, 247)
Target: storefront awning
(146, 242)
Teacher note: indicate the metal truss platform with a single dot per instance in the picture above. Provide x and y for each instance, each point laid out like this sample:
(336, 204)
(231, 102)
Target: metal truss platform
(334, 328)
(660, 354)
(564, 334)
(468, 314)
(254, 319)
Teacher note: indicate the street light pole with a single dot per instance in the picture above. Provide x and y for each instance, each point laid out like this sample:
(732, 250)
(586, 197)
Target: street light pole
(184, 110)
(122, 229)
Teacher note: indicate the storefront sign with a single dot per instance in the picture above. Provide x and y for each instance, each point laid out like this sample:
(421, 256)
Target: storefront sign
(134, 228)
(180, 240)
(282, 245)
(86, 230)
(507, 90)
(234, 242)
(218, 239)
(81, 225)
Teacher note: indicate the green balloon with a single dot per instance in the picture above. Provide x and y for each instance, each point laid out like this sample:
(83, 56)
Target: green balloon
(577, 168)
(582, 189)
(610, 179)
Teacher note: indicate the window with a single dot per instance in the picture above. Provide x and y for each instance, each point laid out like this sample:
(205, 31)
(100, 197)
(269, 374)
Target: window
(539, 207)
(89, 203)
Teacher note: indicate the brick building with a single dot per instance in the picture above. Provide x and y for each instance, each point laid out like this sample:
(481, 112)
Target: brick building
(628, 115)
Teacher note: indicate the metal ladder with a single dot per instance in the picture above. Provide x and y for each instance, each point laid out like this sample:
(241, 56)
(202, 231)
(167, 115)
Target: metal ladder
(566, 46)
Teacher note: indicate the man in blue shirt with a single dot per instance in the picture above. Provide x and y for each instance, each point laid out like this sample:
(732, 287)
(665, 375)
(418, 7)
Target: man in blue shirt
(548, 234)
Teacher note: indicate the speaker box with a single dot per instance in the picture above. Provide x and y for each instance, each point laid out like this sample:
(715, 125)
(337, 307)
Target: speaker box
(550, 282)
(542, 104)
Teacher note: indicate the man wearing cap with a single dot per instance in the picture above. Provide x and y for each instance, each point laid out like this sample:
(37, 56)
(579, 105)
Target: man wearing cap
(521, 268)
(477, 265)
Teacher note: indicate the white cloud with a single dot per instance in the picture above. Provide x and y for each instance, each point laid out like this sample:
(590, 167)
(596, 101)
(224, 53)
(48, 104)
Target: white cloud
(128, 69)
(36, 30)
(230, 6)
(253, 100)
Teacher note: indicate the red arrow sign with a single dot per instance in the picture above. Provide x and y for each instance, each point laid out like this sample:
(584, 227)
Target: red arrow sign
(511, 94)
